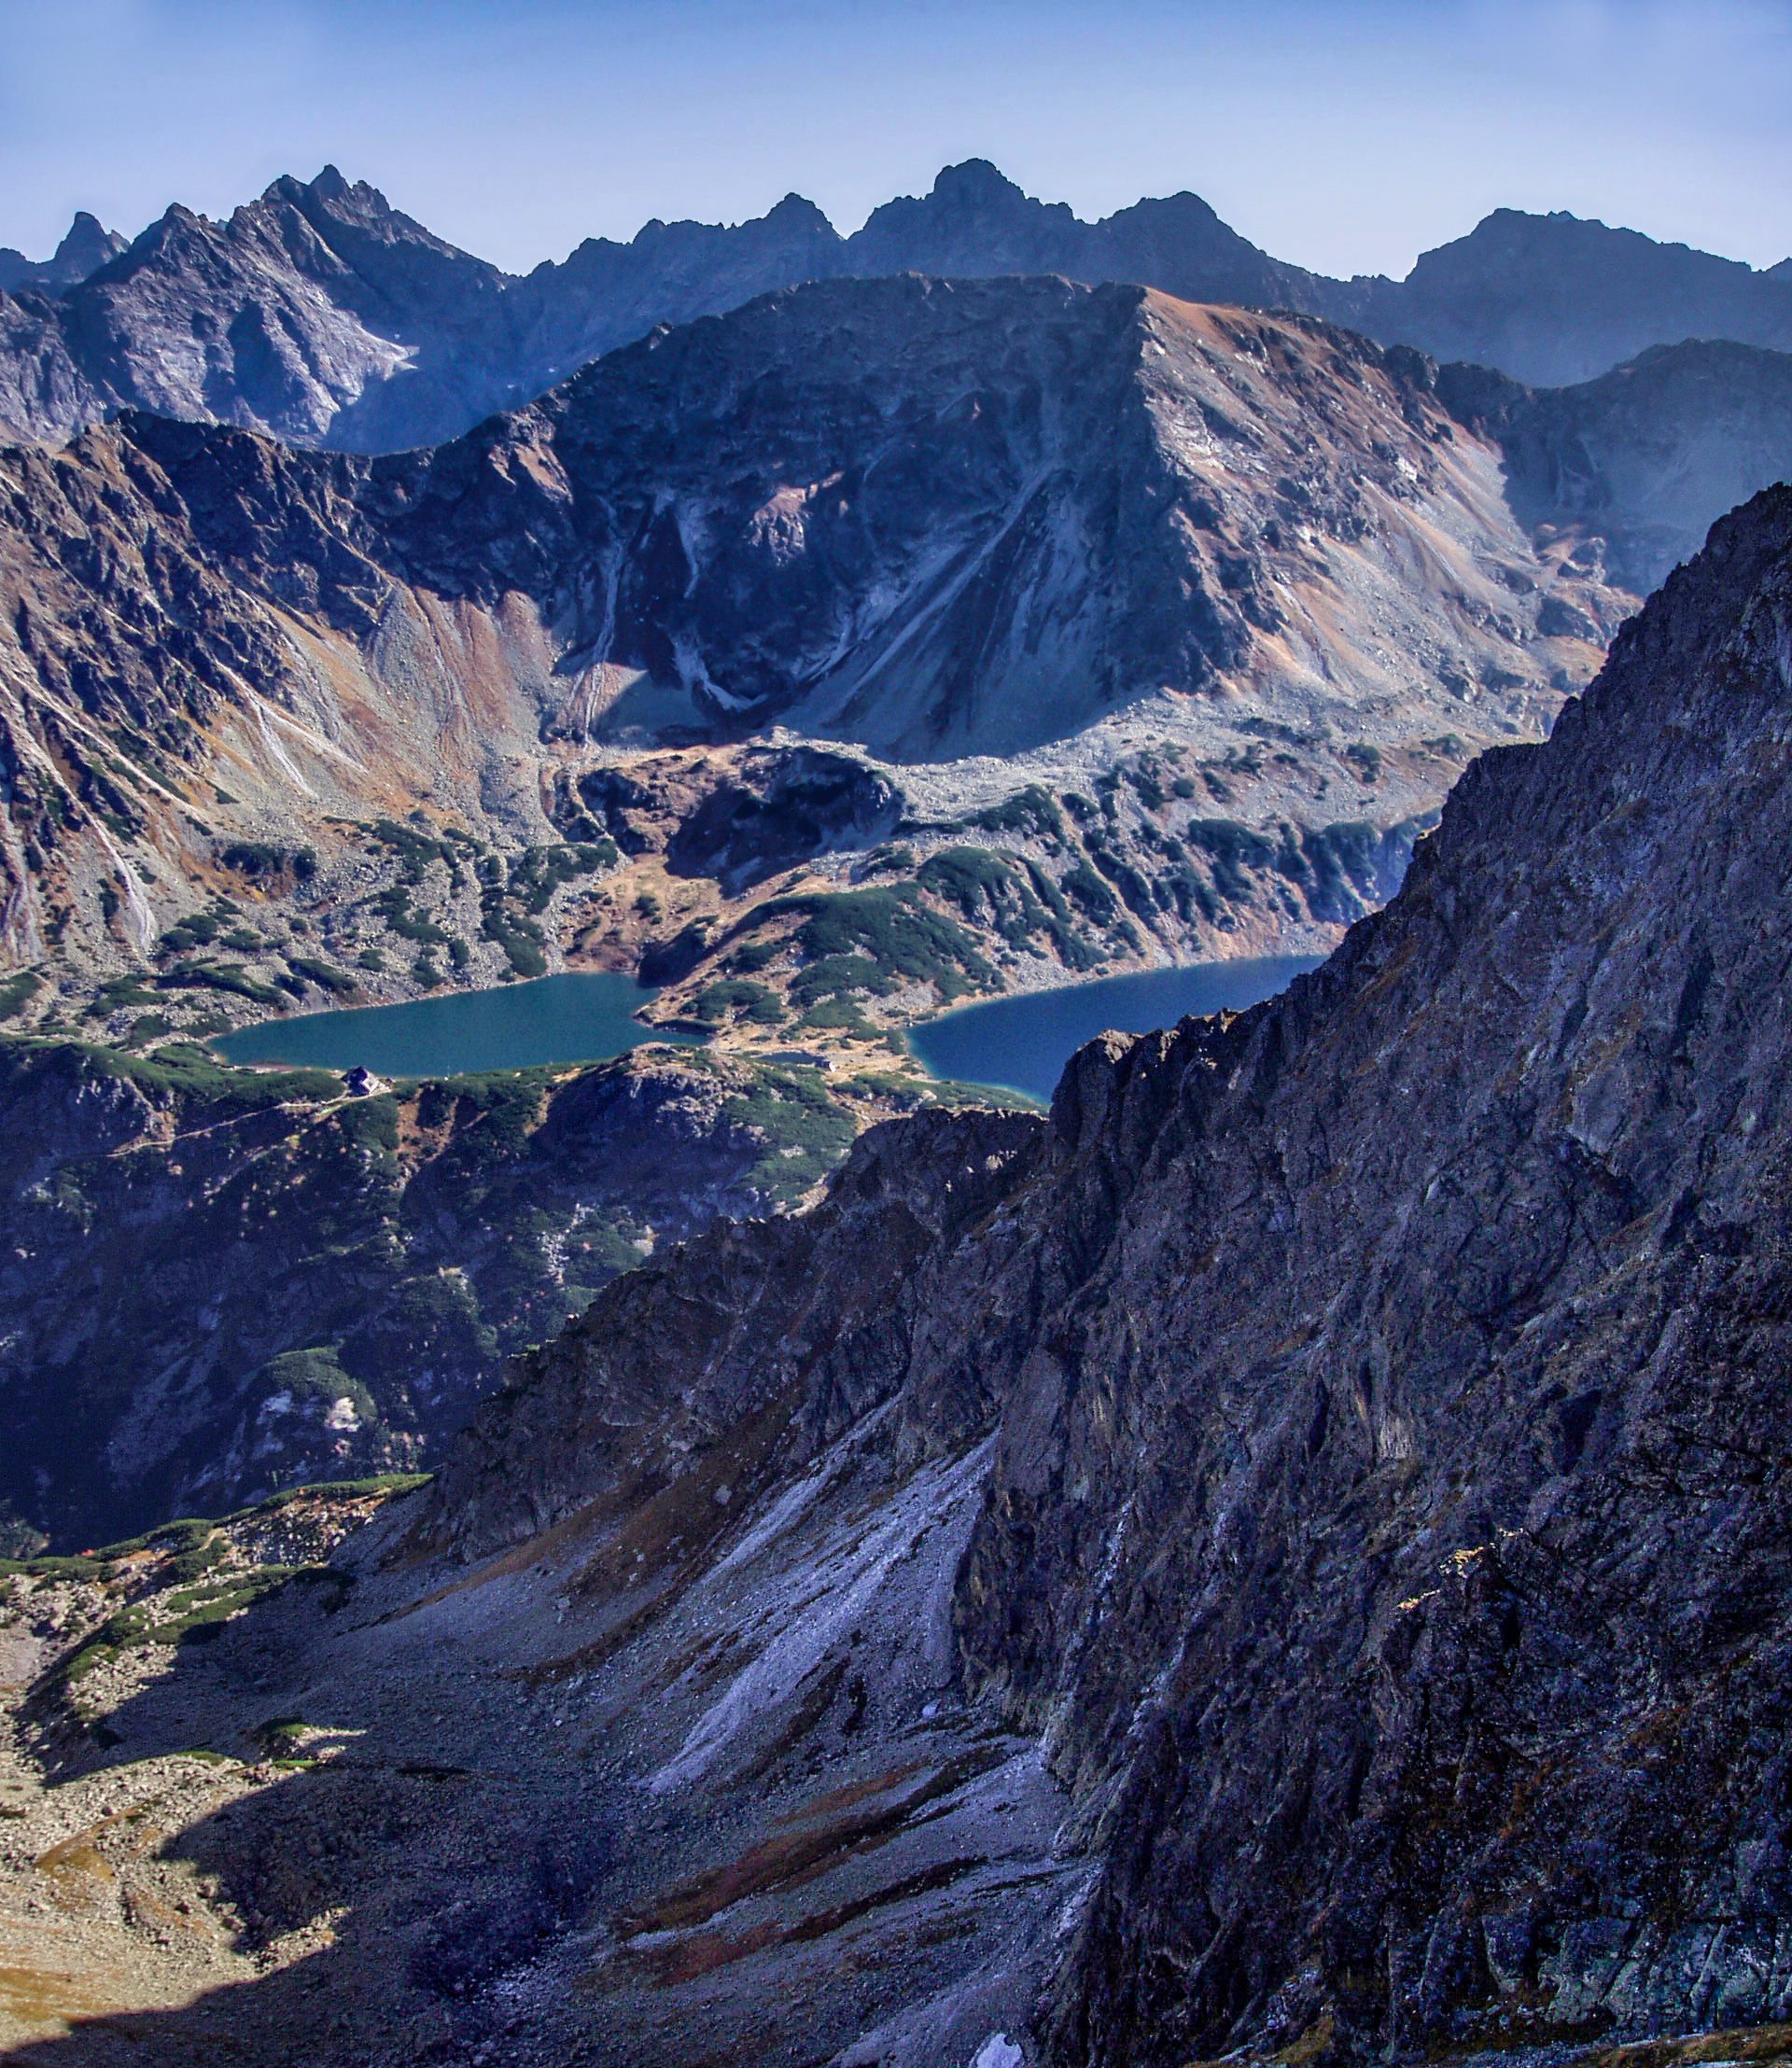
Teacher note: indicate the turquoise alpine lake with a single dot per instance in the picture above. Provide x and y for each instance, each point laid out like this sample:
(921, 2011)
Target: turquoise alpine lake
(574, 1018)
(1022, 1044)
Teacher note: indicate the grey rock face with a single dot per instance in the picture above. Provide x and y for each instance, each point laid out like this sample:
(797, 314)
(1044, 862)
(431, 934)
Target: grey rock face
(1385, 1529)
(1641, 455)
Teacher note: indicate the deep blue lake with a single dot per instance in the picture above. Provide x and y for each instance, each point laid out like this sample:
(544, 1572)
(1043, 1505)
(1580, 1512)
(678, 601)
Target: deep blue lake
(1022, 1044)
(574, 1018)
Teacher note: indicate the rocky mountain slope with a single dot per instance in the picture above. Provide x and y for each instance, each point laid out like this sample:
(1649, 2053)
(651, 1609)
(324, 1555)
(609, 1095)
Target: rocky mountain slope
(218, 1283)
(1128, 631)
(1285, 1557)
(1638, 459)
(319, 313)
(1343, 1469)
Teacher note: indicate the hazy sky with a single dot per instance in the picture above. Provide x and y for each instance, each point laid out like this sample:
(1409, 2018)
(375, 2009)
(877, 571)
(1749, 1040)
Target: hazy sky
(1347, 137)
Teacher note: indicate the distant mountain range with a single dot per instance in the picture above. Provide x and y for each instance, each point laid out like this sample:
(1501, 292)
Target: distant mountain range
(1007, 521)
(322, 315)
(974, 534)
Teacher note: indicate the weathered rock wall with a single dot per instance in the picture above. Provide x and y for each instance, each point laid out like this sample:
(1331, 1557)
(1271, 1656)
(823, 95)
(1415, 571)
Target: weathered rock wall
(1385, 1531)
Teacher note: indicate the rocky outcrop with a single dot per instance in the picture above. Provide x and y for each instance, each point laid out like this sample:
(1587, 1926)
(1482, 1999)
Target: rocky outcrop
(1384, 1529)
(217, 1282)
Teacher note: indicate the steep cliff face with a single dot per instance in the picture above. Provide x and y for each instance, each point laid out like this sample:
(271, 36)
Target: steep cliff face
(1382, 1527)
(1232, 594)
(1630, 466)
(1392, 1511)
(1285, 1558)
(1110, 509)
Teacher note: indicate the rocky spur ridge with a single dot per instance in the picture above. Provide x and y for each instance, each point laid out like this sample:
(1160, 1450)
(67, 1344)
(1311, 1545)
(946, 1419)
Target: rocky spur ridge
(219, 1281)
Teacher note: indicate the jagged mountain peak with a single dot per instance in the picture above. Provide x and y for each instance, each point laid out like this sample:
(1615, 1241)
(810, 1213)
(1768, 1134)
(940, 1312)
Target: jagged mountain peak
(329, 190)
(974, 221)
(976, 175)
(327, 316)
(336, 208)
(86, 246)
(973, 183)
(797, 211)
(977, 182)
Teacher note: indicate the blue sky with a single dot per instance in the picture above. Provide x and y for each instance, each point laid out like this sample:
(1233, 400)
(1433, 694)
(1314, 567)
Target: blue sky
(1347, 137)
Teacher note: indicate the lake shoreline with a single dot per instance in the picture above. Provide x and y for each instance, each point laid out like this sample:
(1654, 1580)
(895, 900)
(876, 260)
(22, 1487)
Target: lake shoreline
(1015, 1044)
(1020, 1043)
(572, 1017)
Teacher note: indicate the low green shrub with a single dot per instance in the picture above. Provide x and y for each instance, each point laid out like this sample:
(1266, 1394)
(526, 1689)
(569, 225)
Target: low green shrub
(890, 926)
(1031, 812)
(17, 991)
(805, 1131)
(718, 1002)
(338, 982)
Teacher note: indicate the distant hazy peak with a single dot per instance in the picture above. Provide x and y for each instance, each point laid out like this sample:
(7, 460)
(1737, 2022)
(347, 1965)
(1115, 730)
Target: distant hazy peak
(86, 246)
(977, 179)
(1557, 298)
(1510, 231)
(796, 211)
(974, 189)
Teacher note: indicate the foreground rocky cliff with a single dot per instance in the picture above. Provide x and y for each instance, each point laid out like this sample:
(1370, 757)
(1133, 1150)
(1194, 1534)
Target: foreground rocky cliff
(1286, 1557)
(1381, 1529)
(1385, 1533)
